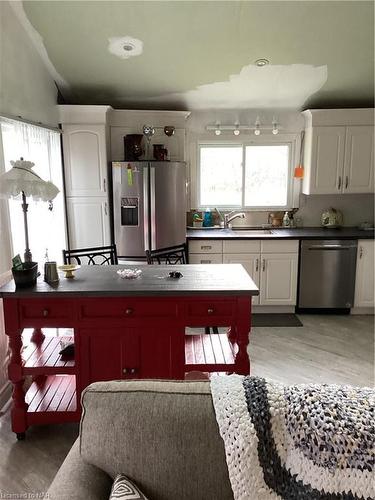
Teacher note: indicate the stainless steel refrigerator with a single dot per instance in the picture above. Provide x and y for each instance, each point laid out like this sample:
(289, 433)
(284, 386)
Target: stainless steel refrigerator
(149, 206)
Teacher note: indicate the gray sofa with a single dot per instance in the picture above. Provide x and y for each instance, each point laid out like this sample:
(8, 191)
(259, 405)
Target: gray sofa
(161, 434)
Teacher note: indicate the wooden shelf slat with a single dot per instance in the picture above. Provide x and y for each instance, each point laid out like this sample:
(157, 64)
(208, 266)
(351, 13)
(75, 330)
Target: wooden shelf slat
(209, 352)
(55, 393)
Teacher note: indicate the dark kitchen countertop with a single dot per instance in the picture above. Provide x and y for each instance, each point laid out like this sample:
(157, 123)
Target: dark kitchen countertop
(103, 281)
(306, 233)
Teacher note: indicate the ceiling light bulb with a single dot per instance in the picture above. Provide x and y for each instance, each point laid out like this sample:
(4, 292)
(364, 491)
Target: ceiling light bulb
(236, 131)
(275, 130)
(257, 126)
(217, 131)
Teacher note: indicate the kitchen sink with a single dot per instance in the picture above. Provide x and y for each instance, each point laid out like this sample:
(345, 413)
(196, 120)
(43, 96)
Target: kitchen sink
(251, 232)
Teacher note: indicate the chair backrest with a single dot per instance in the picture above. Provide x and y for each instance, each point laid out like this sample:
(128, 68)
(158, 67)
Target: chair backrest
(170, 255)
(97, 256)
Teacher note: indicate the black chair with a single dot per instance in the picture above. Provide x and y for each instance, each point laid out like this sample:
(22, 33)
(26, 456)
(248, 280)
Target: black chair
(169, 255)
(172, 256)
(97, 256)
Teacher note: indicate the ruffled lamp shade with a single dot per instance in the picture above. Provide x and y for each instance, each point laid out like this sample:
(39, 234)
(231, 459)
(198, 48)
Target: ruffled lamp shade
(22, 180)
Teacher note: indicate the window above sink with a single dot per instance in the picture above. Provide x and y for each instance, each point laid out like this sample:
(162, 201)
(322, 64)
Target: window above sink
(252, 175)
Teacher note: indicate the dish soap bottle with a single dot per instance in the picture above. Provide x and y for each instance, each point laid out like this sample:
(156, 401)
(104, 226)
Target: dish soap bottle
(286, 220)
(207, 219)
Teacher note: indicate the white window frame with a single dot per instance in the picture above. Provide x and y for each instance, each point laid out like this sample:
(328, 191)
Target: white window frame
(289, 140)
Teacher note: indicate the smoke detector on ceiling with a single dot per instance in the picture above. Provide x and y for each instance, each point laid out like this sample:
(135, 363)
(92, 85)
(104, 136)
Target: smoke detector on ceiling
(125, 46)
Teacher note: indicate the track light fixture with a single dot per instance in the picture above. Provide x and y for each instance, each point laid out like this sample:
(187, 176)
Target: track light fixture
(218, 129)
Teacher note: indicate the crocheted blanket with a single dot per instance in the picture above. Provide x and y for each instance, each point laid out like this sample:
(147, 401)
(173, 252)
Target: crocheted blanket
(302, 442)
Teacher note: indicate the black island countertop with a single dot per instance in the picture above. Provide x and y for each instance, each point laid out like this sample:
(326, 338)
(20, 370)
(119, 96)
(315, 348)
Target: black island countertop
(306, 233)
(103, 281)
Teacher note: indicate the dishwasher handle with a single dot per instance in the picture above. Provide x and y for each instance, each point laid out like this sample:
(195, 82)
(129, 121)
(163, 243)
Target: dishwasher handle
(331, 247)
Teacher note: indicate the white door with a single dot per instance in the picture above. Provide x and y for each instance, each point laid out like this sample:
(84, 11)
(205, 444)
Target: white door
(251, 262)
(364, 282)
(359, 160)
(327, 160)
(88, 222)
(278, 279)
(85, 160)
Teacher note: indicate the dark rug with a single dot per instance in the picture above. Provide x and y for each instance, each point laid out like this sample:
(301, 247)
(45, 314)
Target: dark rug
(275, 320)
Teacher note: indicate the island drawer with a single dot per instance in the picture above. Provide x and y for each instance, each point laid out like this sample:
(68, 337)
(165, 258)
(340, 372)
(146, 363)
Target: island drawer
(46, 312)
(205, 246)
(126, 309)
(211, 309)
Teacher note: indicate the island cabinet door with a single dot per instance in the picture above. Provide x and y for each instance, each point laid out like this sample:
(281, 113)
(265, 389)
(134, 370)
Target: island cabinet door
(127, 353)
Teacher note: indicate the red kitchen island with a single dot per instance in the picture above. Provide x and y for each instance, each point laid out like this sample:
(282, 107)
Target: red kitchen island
(121, 328)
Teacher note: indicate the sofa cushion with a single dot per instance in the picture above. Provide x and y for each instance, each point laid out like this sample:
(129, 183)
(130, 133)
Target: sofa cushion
(162, 434)
(124, 489)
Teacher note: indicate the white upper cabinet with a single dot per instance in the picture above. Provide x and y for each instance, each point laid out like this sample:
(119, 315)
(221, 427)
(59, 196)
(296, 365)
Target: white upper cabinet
(359, 160)
(339, 152)
(364, 282)
(325, 160)
(85, 160)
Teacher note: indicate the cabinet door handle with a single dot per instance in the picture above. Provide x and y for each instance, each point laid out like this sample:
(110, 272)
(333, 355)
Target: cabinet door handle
(346, 182)
(263, 264)
(256, 265)
(205, 262)
(104, 185)
(129, 371)
(45, 313)
(210, 310)
(339, 184)
(206, 247)
(360, 252)
(128, 312)
(105, 208)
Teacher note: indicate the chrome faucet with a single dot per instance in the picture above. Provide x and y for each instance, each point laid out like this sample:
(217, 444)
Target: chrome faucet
(229, 217)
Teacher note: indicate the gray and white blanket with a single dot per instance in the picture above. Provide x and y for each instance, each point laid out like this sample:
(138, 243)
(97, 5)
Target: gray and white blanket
(299, 442)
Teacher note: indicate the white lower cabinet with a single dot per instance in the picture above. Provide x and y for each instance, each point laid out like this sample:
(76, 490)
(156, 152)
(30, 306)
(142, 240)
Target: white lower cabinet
(278, 279)
(88, 221)
(251, 263)
(273, 266)
(364, 283)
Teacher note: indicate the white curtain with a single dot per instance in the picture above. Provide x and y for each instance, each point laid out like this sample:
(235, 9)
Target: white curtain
(47, 233)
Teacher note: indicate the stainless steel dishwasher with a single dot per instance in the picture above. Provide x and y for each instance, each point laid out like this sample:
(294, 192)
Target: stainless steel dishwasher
(327, 274)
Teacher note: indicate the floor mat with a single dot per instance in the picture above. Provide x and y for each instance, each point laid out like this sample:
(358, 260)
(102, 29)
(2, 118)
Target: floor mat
(275, 320)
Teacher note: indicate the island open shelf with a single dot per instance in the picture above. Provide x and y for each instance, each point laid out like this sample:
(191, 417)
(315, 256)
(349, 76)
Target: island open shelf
(44, 358)
(52, 394)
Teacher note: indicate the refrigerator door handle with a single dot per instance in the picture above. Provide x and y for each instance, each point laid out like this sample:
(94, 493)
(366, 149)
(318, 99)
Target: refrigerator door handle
(152, 208)
(146, 209)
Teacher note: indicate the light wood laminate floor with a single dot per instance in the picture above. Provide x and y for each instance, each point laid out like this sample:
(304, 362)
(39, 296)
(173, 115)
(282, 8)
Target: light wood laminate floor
(327, 349)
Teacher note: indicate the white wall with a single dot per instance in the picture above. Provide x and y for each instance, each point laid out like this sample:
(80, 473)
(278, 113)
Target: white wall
(26, 90)
(26, 87)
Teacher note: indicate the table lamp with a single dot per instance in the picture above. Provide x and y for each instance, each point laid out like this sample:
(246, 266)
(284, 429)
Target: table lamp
(21, 179)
